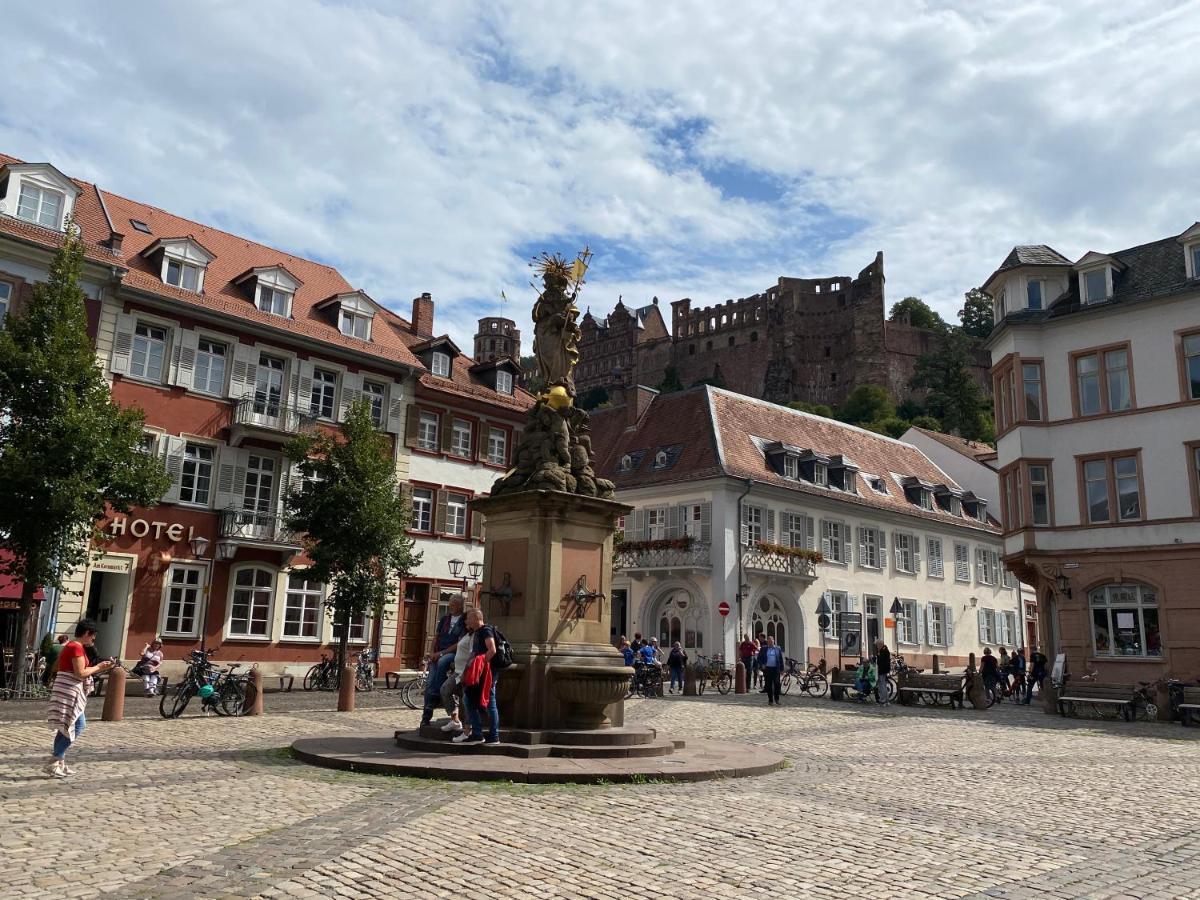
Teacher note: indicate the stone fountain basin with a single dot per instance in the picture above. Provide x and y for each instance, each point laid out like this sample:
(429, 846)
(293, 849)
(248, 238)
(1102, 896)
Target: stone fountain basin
(586, 692)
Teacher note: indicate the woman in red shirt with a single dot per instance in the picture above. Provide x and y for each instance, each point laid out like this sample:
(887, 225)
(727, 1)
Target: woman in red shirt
(72, 684)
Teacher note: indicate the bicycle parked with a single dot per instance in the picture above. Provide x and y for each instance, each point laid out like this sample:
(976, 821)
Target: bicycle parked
(811, 681)
(412, 692)
(322, 676)
(647, 680)
(364, 673)
(222, 691)
(712, 671)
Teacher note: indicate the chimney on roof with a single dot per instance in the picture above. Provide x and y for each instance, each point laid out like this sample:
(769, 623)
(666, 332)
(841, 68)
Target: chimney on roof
(637, 401)
(114, 241)
(422, 315)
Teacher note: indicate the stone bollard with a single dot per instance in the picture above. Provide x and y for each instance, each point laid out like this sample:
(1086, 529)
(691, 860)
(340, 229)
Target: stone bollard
(253, 705)
(739, 678)
(689, 681)
(114, 696)
(346, 690)
(937, 665)
(976, 694)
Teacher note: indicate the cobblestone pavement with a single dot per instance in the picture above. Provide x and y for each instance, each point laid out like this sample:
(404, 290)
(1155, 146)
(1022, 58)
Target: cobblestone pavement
(875, 803)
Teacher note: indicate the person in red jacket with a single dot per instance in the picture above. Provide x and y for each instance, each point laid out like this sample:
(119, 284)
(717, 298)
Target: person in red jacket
(479, 683)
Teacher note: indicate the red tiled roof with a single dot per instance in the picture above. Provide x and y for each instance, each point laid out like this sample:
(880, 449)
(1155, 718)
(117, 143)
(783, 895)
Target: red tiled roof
(717, 429)
(972, 450)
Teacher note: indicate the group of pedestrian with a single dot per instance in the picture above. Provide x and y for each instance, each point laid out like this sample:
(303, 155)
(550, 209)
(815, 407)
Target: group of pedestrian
(642, 652)
(463, 675)
(1007, 673)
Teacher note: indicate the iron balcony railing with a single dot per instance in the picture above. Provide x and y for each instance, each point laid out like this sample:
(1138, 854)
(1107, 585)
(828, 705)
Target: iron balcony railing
(695, 557)
(265, 528)
(759, 560)
(273, 415)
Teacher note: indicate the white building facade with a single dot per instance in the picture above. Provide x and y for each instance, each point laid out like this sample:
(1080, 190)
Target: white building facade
(733, 500)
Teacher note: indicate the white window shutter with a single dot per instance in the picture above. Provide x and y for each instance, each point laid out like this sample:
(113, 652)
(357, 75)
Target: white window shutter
(351, 392)
(929, 621)
(674, 521)
(948, 624)
(920, 617)
(187, 343)
(394, 421)
(810, 537)
(122, 343)
(916, 545)
(847, 545)
(175, 449)
(982, 625)
(770, 526)
(243, 371)
(825, 539)
(706, 522)
(862, 545)
(852, 603)
(745, 537)
(638, 532)
(980, 562)
(302, 401)
(896, 555)
(231, 478)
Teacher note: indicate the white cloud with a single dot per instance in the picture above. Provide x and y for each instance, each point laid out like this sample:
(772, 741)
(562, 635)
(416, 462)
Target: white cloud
(429, 150)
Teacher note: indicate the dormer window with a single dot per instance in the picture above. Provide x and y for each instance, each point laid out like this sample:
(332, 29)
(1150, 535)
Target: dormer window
(40, 205)
(440, 365)
(504, 382)
(184, 262)
(1034, 290)
(820, 475)
(1095, 286)
(925, 500)
(878, 485)
(353, 312)
(1194, 256)
(791, 467)
(625, 464)
(354, 325)
(1001, 309)
(271, 288)
(274, 301)
(37, 193)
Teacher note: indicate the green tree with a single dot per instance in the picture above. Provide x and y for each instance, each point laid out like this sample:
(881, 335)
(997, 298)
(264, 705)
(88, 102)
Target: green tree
(817, 409)
(352, 516)
(670, 382)
(69, 456)
(892, 426)
(955, 397)
(920, 313)
(927, 422)
(866, 403)
(976, 314)
(593, 397)
(910, 409)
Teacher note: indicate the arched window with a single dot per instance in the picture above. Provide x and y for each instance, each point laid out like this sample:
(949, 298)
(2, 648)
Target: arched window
(1125, 620)
(768, 618)
(680, 619)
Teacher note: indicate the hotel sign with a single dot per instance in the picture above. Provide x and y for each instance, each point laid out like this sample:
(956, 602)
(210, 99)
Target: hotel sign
(176, 532)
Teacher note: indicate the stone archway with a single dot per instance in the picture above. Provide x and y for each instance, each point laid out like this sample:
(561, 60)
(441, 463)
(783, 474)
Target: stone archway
(775, 617)
(677, 614)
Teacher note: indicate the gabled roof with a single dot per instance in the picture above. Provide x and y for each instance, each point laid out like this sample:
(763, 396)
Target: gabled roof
(723, 433)
(441, 342)
(1028, 255)
(972, 450)
(495, 363)
(258, 271)
(167, 242)
(1092, 258)
(62, 181)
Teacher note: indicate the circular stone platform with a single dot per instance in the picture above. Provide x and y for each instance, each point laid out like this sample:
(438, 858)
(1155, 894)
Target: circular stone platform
(379, 754)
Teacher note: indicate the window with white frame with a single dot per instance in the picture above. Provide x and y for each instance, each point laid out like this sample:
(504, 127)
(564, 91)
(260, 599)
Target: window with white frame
(40, 205)
(302, 607)
(868, 548)
(987, 564)
(504, 382)
(906, 552)
(925, 499)
(460, 438)
(839, 602)
(1005, 628)
(934, 552)
(820, 474)
(752, 523)
(1125, 620)
(456, 515)
(149, 443)
(427, 431)
(358, 630)
(422, 509)
(497, 453)
(796, 526)
(873, 614)
(1033, 293)
(1191, 364)
(987, 626)
(693, 517)
(1039, 494)
(183, 599)
(791, 467)
(195, 483)
(373, 394)
(1095, 285)
(182, 274)
(274, 301)
(250, 609)
(938, 613)
(5, 300)
(962, 562)
(834, 536)
(441, 364)
(656, 523)
(149, 351)
(906, 622)
(354, 324)
(208, 376)
(323, 399)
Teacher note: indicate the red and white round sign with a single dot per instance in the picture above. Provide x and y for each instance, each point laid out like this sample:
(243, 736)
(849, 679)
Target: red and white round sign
(723, 608)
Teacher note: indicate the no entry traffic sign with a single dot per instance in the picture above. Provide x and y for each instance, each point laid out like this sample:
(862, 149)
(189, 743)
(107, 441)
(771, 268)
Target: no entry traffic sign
(723, 608)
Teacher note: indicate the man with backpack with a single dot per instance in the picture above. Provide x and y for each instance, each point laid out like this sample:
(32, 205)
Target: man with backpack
(1037, 673)
(490, 654)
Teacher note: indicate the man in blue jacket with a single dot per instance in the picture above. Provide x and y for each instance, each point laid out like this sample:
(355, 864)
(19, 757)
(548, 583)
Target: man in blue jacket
(771, 662)
(450, 628)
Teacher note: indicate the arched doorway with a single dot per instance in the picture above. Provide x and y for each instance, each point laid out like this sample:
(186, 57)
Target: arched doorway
(768, 617)
(679, 617)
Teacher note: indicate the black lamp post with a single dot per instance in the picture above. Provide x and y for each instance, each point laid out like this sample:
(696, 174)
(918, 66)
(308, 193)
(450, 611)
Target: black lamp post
(475, 569)
(823, 624)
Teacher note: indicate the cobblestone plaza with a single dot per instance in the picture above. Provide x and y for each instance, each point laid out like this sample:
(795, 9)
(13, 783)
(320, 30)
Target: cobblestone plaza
(888, 802)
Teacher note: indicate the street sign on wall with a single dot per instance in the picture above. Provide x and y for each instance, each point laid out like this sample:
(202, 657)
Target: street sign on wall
(723, 608)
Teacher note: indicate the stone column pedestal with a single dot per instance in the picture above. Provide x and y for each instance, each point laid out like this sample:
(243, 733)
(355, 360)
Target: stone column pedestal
(546, 585)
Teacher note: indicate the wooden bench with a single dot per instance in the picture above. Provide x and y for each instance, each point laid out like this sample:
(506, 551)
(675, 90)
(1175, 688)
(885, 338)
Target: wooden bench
(1189, 708)
(1098, 695)
(931, 689)
(841, 683)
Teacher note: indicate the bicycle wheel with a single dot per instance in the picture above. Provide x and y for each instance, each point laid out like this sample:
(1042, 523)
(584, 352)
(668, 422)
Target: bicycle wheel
(785, 683)
(816, 686)
(172, 705)
(406, 693)
(312, 677)
(725, 682)
(363, 681)
(233, 698)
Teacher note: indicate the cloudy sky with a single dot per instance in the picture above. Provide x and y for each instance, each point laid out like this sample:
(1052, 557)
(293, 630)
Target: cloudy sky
(702, 149)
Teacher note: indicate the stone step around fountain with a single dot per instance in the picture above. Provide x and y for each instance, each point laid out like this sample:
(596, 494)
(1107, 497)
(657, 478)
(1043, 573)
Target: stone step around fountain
(603, 744)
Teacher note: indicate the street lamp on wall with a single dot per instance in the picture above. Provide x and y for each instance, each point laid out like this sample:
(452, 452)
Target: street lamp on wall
(199, 546)
(1063, 585)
